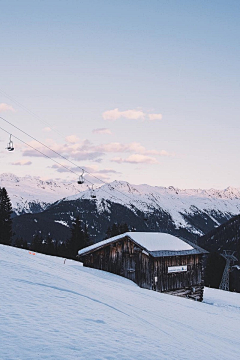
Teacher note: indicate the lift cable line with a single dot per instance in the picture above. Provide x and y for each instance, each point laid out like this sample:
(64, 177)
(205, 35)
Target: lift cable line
(63, 157)
(40, 152)
(30, 112)
(92, 191)
(33, 138)
(46, 123)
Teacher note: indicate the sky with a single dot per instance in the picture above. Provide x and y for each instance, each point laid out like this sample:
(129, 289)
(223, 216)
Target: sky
(137, 90)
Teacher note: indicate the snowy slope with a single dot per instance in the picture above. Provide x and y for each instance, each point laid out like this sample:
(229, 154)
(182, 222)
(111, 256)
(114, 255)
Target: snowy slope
(52, 310)
(31, 194)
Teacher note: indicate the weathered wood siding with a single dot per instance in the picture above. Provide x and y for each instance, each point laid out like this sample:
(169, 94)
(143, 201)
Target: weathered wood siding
(126, 259)
(188, 282)
(118, 258)
(169, 281)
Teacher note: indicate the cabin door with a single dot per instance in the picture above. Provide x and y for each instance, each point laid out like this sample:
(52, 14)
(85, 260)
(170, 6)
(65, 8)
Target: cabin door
(131, 267)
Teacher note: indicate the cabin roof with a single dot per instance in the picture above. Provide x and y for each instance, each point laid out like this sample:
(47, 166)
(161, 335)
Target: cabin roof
(236, 267)
(156, 244)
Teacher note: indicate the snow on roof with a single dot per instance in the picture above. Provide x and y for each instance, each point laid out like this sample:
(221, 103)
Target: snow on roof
(236, 267)
(150, 241)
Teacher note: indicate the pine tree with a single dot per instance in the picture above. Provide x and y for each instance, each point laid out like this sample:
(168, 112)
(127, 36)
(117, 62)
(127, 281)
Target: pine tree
(116, 229)
(108, 232)
(49, 245)
(18, 242)
(5, 218)
(62, 249)
(78, 239)
(123, 228)
(37, 244)
(87, 240)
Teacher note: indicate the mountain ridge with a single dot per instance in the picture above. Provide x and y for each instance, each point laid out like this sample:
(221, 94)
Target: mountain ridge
(189, 212)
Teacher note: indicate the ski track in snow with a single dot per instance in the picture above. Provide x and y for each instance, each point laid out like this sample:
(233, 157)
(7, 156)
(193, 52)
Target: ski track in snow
(51, 310)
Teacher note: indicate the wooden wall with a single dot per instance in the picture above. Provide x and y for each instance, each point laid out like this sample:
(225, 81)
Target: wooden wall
(126, 259)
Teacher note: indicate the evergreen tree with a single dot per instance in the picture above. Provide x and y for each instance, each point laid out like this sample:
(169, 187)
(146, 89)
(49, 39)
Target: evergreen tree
(108, 232)
(62, 249)
(123, 228)
(19, 242)
(37, 244)
(5, 218)
(116, 229)
(86, 236)
(78, 239)
(49, 245)
(56, 248)
(25, 244)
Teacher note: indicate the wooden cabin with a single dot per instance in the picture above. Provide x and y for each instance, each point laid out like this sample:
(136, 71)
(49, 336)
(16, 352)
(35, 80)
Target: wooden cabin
(156, 261)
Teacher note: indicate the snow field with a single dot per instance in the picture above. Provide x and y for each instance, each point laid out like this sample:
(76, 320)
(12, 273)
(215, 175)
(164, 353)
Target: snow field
(52, 310)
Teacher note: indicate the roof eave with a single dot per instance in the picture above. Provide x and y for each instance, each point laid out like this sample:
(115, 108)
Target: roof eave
(168, 253)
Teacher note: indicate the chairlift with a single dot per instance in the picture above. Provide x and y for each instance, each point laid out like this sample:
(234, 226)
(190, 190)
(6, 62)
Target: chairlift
(81, 179)
(10, 144)
(93, 195)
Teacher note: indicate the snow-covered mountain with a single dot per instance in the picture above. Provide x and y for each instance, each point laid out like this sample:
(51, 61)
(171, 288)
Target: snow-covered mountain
(181, 205)
(56, 310)
(32, 195)
(144, 207)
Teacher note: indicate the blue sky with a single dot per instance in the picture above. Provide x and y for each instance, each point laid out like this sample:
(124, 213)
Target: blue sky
(160, 77)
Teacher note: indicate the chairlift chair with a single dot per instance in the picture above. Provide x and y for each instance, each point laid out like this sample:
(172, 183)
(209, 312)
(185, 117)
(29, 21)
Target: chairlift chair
(81, 179)
(10, 144)
(93, 195)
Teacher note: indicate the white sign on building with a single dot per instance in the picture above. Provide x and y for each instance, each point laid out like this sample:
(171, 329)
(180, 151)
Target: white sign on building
(181, 268)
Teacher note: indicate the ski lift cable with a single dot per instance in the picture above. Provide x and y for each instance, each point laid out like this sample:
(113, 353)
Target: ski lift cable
(63, 157)
(41, 143)
(46, 123)
(49, 157)
(32, 147)
(30, 112)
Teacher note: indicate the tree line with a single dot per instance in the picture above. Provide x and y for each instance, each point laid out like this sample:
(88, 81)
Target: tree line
(79, 235)
(78, 239)
(5, 218)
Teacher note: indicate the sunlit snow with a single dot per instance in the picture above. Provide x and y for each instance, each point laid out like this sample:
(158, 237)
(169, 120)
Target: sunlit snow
(150, 241)
(51, 310)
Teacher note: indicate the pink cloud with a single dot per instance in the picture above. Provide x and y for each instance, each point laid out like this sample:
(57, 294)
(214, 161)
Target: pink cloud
(128, 114)
(72, 139)
(131, 147)
(85, 150)
(153, 117)
(115, 114)
(80, 151)
(136, 159)
(5, 107)
(102, 131)
(22, 163)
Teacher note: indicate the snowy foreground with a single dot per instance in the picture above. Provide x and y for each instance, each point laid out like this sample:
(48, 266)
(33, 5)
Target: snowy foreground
(52, 310)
